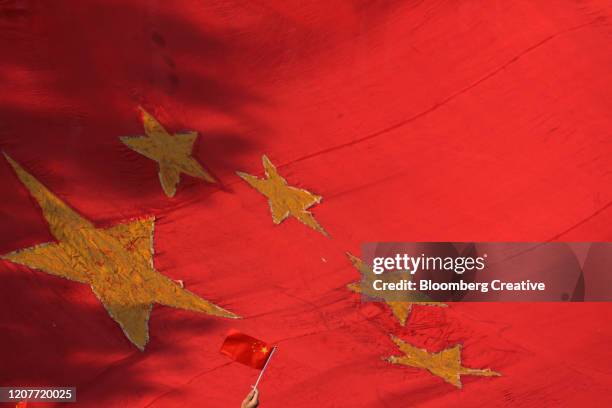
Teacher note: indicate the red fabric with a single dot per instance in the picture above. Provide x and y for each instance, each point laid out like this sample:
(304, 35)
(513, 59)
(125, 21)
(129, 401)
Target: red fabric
(414, 120)
(246, 349)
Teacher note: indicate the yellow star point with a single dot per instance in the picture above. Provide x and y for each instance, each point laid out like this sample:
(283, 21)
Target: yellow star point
(284, 200)
(171, 152)
(401, 310)
(445, 364)
(117, 263)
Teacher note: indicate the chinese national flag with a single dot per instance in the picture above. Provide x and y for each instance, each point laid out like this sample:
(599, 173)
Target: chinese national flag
(407, 121)
(246, 349)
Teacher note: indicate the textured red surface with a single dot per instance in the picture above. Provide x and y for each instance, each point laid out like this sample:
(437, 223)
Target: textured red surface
(415, 120)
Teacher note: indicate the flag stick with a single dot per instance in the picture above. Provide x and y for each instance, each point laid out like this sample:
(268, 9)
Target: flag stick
(264, 367)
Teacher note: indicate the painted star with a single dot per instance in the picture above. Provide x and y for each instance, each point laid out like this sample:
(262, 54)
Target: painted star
(117, 263)
(401, 310)
(172, 152)
(445, 364)
(284, 200)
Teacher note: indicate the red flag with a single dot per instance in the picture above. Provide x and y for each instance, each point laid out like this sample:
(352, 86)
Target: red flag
(413, 120)
(246, 349)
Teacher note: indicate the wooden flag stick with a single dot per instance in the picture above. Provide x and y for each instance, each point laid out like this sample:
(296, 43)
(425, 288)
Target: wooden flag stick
(264, 367)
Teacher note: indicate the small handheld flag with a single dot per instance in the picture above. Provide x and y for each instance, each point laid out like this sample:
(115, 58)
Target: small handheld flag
(247, 350)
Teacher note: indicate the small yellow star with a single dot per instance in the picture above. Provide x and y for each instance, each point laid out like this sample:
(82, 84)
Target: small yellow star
(172, 152)
(117, 263)
(445, 364)
(284, 199)
(401, 310)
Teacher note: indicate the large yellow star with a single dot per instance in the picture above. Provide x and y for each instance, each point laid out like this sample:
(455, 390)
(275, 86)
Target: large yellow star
(445, 364)
(172, 152)
(284, 199)
(401, 310)
(117, 263)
